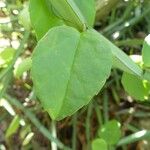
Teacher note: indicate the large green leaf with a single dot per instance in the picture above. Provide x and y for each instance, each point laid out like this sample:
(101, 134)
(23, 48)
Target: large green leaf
(88, 9)
(136, 87)
(42, 17)
(68, 69)
(110, 132)
(146, 51)
(99, 144)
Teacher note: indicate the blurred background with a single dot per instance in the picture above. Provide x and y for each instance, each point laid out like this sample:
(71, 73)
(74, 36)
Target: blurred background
(23, 123)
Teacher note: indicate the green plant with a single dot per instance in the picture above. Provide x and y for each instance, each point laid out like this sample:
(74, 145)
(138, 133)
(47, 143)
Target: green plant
(71, 61)
(69, 67)
(109, 135)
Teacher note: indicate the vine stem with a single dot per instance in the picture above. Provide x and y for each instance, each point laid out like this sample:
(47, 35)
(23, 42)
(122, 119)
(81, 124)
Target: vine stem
(54, 134)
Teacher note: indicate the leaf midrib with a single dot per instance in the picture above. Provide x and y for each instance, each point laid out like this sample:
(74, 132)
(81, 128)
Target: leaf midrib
(71, 70)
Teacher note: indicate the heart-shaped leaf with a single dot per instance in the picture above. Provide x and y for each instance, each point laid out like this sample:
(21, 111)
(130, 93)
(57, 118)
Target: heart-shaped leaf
(68, 69)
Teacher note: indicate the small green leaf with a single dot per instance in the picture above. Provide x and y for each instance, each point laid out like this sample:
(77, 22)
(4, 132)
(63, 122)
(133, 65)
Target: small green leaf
(136, 87)
(68, 72)
(70, 13)
(24, 18)
(24, 66)
(88, 9)
(42, 17)
(110, 132)
(6, 56)
(14, 125)
(146, 51)
(99, 144)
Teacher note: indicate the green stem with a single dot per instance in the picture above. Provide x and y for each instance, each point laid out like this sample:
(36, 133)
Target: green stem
(115, 95)
(105, 107)
(54, 134)
(88, 123)
(99, 114)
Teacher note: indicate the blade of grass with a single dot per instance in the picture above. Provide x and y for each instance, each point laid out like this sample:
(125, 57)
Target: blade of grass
(115, 95)
(132, 128)
(98, 113)
(131, 22)
(112, 26)
(117, 79)
(105, 107)
(140, 135)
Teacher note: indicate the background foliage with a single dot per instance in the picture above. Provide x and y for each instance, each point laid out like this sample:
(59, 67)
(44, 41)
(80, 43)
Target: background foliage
(111, 114)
